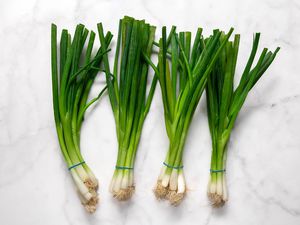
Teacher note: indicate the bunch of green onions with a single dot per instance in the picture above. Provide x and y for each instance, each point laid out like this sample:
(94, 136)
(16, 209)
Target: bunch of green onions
(182, 84)
(71, 84)
(128, 97)
(224, 103)
(184, 70)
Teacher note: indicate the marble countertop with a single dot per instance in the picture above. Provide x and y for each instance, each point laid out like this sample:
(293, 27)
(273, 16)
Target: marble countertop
(35, 187)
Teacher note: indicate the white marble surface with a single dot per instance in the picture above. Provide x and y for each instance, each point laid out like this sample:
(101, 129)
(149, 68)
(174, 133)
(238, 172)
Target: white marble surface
(263, 163)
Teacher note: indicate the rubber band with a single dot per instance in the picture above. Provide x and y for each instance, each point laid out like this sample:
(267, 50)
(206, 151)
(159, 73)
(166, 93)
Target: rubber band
(124, 168)
(75, 165)
(173, 167)
(218, 171)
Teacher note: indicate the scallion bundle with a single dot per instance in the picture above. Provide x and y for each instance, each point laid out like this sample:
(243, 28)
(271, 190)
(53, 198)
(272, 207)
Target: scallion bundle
(128, 97)
(224, 103)
(72, 80)
(182, 72)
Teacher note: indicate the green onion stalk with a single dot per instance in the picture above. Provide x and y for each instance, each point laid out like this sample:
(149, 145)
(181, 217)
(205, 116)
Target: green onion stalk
(128, 96)
(72, 80)
(224, 103)
(182, 71)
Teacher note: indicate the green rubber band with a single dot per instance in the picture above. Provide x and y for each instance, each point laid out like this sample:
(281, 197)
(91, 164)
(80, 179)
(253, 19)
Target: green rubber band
(75, 165)
(173, 167)
(218, 171)
(124, 168)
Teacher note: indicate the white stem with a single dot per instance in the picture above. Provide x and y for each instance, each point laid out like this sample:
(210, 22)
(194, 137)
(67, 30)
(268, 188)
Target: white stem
(92, 176)
(82, 199)
(81, 172)
(181, 182)
(213, 187)
(219, 186)
(125, 181)
(162, 173)
(165, 180)
(173, 180)
(84, 191)
(117, 184)
(130, 178)
(225, 193)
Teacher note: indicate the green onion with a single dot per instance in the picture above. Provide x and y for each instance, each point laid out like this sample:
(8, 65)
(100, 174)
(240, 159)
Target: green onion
(128, 97)
(71, 84)
(182, 72)
(224, 103)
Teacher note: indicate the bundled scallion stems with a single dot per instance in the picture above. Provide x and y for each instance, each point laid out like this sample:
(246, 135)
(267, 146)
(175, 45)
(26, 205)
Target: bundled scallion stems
(182, 72)
(185, 69)
(129, 101)
(224, 103)
(72, 79)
